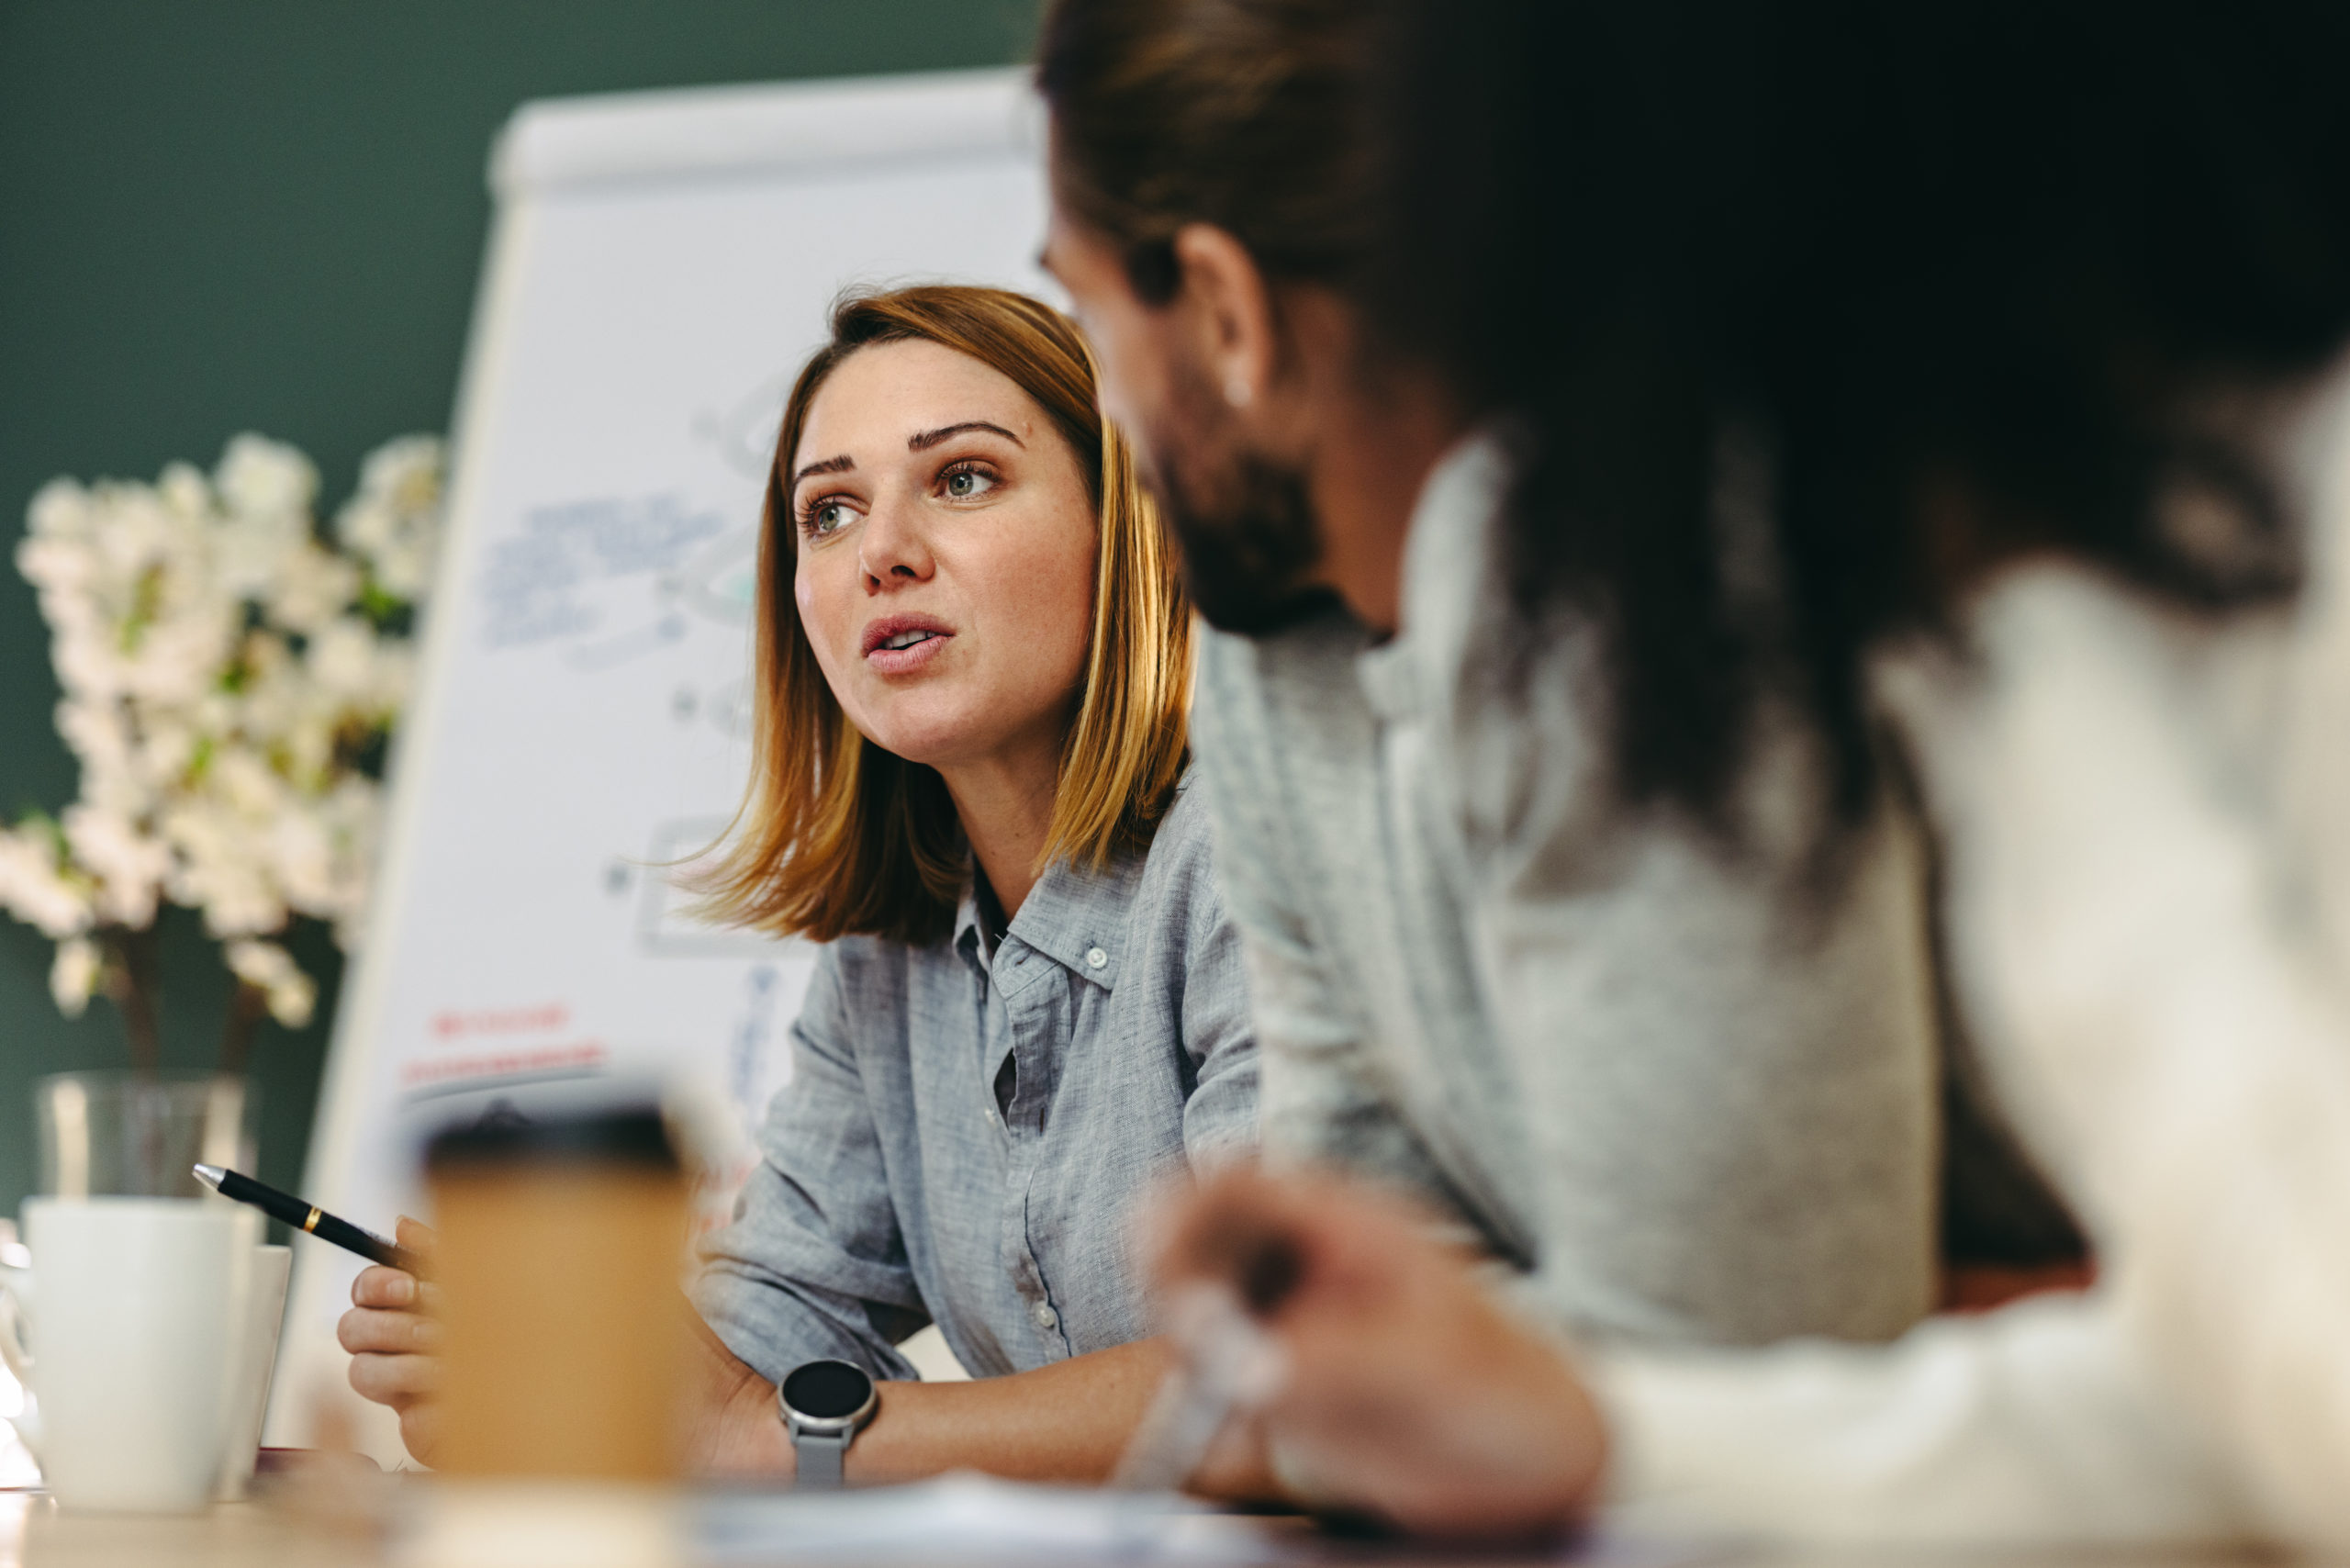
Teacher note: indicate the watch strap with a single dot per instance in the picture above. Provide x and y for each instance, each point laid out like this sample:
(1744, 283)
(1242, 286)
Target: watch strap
(820, 1456)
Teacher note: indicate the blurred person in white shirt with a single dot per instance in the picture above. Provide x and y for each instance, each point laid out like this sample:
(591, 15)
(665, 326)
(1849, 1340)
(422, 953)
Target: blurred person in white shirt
(2022, 327)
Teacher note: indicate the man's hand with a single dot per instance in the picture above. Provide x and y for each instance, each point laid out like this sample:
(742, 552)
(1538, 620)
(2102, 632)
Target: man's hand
(1409, 1393)
(392, 1332)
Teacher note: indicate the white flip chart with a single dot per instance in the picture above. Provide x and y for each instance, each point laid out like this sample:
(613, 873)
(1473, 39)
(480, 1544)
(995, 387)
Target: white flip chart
(659, 267)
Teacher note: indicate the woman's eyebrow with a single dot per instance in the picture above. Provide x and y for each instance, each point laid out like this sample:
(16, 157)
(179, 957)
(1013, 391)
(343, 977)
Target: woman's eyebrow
(840, 464)
(922, 440)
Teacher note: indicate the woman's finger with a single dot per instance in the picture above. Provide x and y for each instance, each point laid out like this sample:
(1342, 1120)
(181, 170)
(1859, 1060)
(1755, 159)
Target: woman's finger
(416, 1235)
(379, 1286)
(390, 1333)
(394, 1289)
(396, 1380)
(421, 1428)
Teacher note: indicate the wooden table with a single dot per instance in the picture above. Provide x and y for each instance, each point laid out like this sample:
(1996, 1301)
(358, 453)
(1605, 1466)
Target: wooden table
(34, 1534)
(246, 1535)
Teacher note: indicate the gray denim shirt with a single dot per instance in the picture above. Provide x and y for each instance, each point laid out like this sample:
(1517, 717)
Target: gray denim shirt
(1698, 1106)
(964, 1134)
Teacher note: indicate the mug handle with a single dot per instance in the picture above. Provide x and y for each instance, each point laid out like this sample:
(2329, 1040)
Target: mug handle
(14, 1282)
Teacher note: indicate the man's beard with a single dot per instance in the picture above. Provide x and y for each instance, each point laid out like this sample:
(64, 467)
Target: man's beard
(1248, 535)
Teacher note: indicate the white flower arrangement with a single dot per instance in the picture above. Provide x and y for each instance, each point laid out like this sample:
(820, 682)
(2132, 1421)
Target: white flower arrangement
(230, 672)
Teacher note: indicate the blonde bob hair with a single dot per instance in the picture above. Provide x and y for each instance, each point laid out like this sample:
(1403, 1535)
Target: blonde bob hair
(837, 837)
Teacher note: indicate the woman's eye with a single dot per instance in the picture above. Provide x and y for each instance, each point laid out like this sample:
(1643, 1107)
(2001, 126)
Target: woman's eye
(825, 518)
(966, 484)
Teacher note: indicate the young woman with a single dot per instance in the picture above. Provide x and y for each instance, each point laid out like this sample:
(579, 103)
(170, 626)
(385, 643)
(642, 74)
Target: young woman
(974, 659)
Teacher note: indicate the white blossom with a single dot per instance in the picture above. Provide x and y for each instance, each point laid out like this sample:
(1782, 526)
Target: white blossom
(52, 560)
(236, 897)
(168, 750)
(129, 864)
(394, 522)
(310, 587)
(269, 969)
(257, 476)
(131, 528)
(34, 888)
(185, 491)
(178, 657)
(222, 668)
(59, 509)
(245, 781)
(73, 975)
(342, 659)
(301, 857)
(265, 489)
(98, 733)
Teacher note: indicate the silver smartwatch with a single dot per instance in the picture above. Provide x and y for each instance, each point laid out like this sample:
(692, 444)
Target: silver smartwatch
(824, 1403)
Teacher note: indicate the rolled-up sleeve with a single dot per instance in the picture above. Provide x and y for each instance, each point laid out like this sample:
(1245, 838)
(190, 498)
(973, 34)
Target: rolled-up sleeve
(815, 1264)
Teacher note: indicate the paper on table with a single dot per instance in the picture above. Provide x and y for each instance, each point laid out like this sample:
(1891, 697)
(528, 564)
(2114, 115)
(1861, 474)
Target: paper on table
(970, 1518)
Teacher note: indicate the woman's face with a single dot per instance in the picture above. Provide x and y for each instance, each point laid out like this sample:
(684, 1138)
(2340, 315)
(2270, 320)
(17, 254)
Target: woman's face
(946, 546)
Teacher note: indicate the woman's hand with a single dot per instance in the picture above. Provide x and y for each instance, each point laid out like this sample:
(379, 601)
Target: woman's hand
(392, 1332)
(1408, 1393)
(733, 1428)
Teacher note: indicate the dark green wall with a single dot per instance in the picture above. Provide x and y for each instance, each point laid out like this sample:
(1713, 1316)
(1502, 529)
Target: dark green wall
(226, 215)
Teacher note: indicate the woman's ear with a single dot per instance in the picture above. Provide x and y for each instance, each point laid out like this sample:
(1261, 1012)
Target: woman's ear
(1230, 310)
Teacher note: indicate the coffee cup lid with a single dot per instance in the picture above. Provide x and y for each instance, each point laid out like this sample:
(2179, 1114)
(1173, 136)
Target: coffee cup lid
(633, 1135)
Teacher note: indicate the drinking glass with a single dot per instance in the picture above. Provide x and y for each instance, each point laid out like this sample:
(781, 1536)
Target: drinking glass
(140, 1135)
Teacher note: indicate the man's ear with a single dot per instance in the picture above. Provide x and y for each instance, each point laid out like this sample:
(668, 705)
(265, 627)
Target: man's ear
(1232, 311)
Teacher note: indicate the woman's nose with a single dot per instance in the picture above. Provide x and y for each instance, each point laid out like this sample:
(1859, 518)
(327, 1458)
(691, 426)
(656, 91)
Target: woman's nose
(891, 549)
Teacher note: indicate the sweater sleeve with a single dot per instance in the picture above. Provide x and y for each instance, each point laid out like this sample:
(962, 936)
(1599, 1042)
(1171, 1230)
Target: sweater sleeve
(2160, 1013)
(2032, 1424)
(2154, 1021)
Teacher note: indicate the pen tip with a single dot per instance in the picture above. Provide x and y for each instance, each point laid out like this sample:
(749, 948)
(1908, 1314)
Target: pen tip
(210, 1176)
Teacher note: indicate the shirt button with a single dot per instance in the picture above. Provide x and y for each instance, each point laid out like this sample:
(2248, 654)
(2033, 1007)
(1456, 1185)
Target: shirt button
(1095, 959)
(989, 1115)
(1047, 1318)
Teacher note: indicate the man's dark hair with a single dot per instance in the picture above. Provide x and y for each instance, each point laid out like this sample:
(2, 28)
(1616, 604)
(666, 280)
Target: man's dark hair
(1244, 114)
(1985, 261)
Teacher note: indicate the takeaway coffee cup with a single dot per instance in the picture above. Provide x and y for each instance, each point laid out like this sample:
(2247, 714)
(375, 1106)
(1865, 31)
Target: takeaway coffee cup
(561, 1244)
(133, 1331)
(545, 1377)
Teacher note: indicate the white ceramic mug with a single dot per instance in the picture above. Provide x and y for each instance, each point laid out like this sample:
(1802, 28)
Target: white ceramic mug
(134, 1345)
(264, 1316)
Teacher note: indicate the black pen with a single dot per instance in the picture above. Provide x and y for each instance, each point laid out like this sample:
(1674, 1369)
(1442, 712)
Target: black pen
(307, 1216)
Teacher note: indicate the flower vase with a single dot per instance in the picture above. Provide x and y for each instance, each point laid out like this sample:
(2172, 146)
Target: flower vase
(140, 1134)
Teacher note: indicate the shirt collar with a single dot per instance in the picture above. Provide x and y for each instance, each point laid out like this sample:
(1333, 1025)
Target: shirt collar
(1456, 507)
(968, 939)
(1074, 915)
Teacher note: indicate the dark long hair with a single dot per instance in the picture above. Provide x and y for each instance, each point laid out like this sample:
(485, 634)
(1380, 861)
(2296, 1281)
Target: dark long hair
(1965, 276)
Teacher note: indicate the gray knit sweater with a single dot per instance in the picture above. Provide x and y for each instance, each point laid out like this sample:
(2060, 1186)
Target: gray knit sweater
(1695, 1105)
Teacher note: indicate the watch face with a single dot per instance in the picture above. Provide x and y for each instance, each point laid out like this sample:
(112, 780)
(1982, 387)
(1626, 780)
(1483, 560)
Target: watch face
(827, 1390)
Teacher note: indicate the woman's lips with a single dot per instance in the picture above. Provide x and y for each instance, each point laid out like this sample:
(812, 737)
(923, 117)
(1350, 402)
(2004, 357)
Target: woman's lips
(906, 660)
